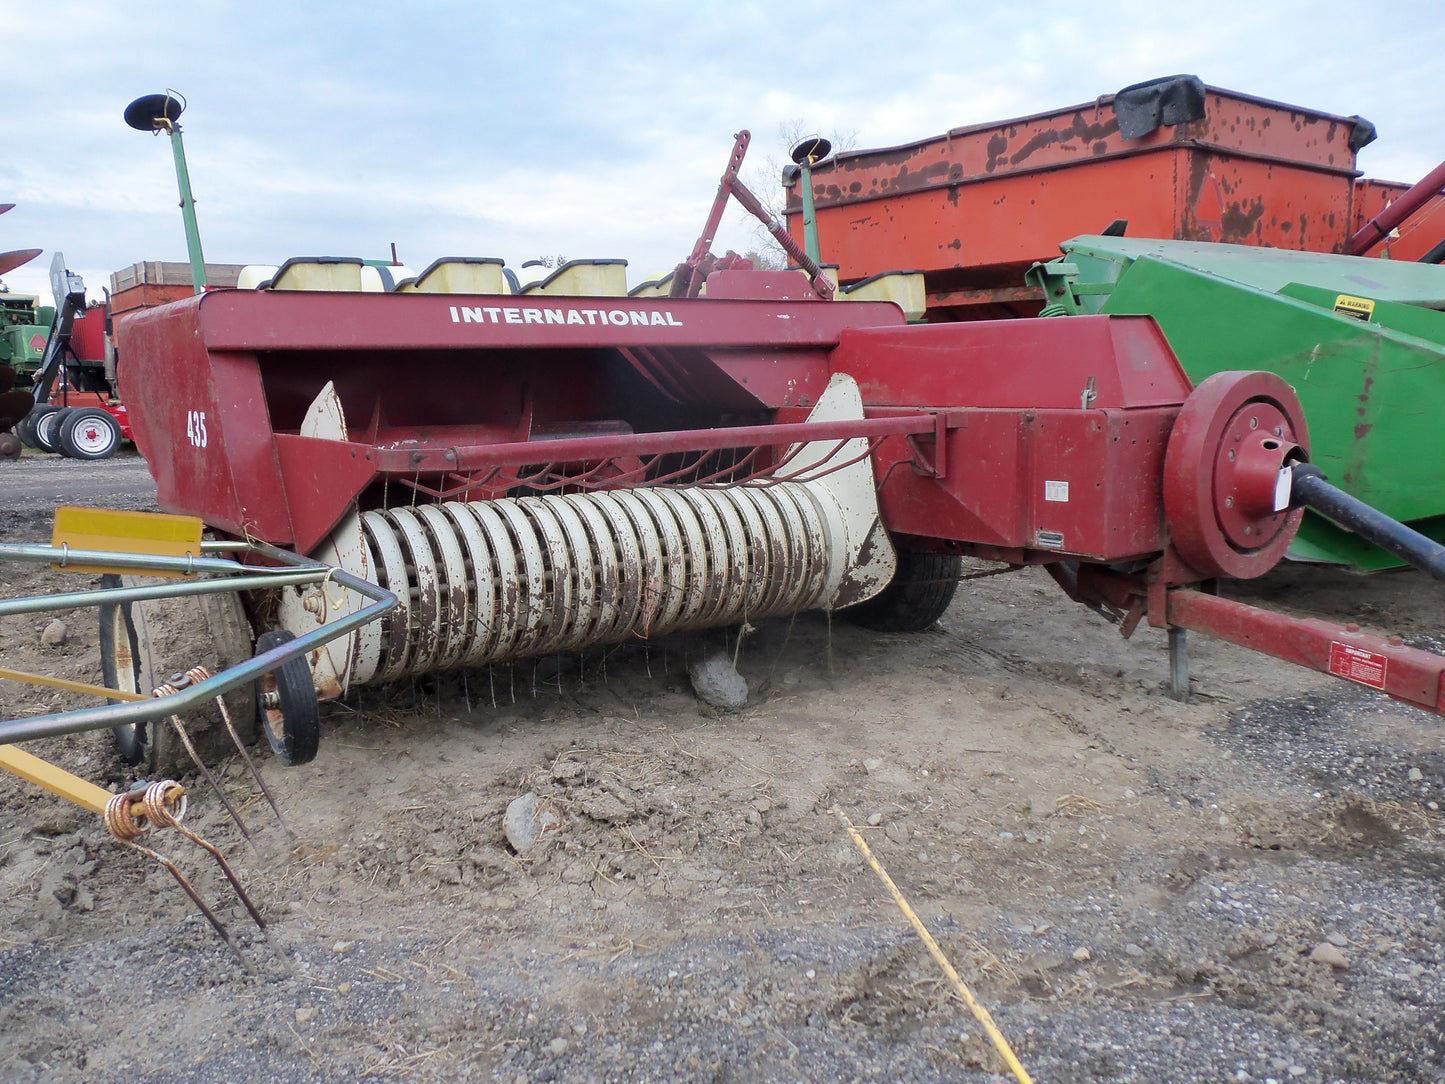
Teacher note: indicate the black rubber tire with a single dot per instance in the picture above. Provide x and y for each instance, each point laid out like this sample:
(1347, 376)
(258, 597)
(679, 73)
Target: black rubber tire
(286, 704)
(143, 643)
(89, 433)
(47, 428)
(10, 446)
(25, 430)
(120, 667)
(917, 596)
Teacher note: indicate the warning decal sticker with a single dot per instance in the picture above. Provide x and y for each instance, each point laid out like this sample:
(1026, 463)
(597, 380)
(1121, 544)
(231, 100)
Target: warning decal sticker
(1357, 308)
(1357, 664)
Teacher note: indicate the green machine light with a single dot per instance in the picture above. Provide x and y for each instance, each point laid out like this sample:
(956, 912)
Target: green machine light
(159, 113)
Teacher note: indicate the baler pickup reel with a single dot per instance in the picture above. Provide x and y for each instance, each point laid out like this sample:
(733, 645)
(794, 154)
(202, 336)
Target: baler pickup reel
(615, 538)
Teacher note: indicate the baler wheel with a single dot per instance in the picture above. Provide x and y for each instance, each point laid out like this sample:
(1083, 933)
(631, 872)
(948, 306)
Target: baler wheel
(918, 595)
(143, 643)
(286, 704)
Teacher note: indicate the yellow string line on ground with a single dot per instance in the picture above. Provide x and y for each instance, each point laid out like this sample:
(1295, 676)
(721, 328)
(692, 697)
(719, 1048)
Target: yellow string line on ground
(979, 1012)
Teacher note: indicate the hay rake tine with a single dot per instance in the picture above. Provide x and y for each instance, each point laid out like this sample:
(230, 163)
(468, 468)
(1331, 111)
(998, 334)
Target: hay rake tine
(175, 684)
(251, 764)
(157, 805)
(124, 826)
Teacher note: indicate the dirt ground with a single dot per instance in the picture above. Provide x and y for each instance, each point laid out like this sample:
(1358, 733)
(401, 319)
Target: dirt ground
(1244, 887)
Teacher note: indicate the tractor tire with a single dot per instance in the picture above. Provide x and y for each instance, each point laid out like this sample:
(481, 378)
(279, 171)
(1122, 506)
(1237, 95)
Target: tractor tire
(286, 704)
(89, 433)
(47, 428)
(143, 643)
(918, 595)
(25, 430)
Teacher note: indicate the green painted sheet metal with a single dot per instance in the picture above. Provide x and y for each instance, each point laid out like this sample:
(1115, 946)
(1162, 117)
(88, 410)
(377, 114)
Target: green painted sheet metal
(1373, 388)
(1270, 269)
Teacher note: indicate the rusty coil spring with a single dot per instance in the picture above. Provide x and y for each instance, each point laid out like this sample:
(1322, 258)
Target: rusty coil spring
(194, 676)
(156, 802)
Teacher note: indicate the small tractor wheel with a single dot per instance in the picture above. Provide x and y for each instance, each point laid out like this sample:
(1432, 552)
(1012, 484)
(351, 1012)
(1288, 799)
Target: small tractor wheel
(47, 428)
(89, 433)
(286, 704)
(143, 643)
(917, 596)
(9, 446)
(25, 430)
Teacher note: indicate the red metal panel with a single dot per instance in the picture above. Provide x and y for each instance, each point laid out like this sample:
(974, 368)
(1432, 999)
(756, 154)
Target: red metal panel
(973, 208)
(1092, 483)
(87, 334)
(1006, 223)
(1068, 482)
(323, 478)
(1026, 466)
(979, 500)
(1015, 363)
(1418, 234)
(1233, 123)
(200, 420)
(257, 320)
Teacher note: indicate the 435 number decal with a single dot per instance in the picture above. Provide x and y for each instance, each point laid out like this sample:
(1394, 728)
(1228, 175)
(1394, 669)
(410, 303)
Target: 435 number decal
(196, 428)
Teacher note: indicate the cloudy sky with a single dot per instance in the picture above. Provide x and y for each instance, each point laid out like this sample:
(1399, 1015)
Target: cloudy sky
(539, 128)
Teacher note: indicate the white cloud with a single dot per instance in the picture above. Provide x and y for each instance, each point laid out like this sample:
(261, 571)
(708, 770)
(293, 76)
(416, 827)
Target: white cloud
(592, 130)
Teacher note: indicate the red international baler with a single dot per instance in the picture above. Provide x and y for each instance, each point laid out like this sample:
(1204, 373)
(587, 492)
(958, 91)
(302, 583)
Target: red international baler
(532, 474)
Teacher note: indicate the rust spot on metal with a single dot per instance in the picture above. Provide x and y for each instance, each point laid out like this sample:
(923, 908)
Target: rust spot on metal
(1240, 221)
(997, 148)
(1080, 130)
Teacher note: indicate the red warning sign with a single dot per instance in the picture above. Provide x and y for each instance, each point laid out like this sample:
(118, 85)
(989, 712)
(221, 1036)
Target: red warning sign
(37, 342)
(1357, 664)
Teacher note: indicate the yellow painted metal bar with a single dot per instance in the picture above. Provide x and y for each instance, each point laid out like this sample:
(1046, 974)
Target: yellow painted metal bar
(69, 686)
(56, 780)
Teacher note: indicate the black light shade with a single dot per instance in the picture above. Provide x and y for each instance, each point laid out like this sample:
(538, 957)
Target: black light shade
(143, 113)
(810, 150)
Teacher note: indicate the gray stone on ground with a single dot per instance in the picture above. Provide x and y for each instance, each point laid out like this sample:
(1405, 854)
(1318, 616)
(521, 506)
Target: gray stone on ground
(718, 684)
(525, 822)
(1326, 953)
(55, 633)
